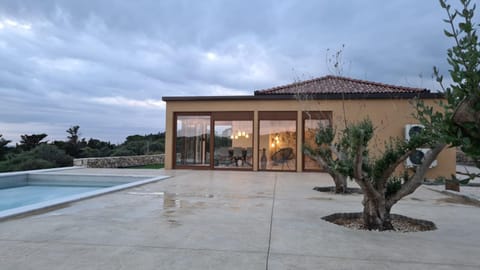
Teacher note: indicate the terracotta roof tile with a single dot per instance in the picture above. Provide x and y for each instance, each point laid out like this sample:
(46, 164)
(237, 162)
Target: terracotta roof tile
(338, 85)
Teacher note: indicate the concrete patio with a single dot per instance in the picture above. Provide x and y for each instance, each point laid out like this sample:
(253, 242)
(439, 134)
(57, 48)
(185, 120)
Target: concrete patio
(235, 220)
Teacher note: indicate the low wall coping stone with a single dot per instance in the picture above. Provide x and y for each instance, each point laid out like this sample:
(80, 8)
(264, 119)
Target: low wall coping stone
(120, 161)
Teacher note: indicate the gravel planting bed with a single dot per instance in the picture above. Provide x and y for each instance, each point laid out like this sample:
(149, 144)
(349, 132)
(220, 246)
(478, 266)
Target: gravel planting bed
(331, 189)
(400, 223)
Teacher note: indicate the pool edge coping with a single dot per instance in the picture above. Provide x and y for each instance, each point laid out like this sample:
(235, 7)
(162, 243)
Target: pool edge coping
(38, 207)
(40, 171)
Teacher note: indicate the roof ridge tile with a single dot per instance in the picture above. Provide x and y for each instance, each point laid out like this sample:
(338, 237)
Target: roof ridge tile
(331, 85)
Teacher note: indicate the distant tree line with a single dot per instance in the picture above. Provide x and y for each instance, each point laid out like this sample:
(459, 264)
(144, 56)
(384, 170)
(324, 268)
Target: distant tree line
(35, 152)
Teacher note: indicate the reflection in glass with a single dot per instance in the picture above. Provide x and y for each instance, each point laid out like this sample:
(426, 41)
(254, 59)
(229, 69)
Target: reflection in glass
(311, 126)
(277, 145)
(233, 144)
(193, 140)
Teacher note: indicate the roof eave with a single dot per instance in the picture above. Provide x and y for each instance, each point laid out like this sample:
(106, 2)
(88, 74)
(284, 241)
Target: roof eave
(331, 96)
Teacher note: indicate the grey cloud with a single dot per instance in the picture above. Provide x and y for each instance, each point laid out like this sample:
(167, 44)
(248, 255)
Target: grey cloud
(129, 53)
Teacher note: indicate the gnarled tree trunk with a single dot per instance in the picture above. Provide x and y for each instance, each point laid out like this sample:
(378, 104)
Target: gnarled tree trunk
(376, 215)
(465, 113)
(340, 183)
(377, 204)
(339, 179)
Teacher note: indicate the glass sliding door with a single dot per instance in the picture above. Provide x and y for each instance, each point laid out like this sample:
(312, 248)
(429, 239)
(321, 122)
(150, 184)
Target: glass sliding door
(312, 122)
(220, 140)
(193, 140)
(277, 141)
(233, 144)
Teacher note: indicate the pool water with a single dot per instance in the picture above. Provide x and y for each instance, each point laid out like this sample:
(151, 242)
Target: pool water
(30, 194)
(30, 191)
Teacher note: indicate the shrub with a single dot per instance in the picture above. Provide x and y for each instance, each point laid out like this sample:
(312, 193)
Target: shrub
(42, 157)
(52, 154)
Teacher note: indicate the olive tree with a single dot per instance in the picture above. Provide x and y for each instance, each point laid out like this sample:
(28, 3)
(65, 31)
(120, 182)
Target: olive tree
(459, 121)
(375, 175)
(457, 124)
(329, 154)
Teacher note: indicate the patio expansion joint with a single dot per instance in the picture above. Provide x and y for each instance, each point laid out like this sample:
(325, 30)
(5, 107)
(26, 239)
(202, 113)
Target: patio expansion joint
(376, 260)
(271, 222)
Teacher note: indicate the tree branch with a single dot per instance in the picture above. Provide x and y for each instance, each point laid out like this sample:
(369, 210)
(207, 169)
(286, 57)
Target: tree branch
(358, 176)
(320, 160)
(338, 154)
(386, 174)
(454, 32)
(416, 180)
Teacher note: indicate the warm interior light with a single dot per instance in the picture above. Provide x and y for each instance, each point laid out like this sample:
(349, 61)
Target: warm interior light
(239, 134)
(273, 144)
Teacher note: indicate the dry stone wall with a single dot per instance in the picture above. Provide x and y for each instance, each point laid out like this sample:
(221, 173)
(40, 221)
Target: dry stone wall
(119, 162)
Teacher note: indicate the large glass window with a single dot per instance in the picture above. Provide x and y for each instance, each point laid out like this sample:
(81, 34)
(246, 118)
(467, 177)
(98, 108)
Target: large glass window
(233, 144)
(312, 122)
(193, 140)
(277, 142)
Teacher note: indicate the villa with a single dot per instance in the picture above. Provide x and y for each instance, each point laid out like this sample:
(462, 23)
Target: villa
(267, 130)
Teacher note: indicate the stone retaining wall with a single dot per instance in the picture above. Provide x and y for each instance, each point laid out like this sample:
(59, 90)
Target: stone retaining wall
(119, 162)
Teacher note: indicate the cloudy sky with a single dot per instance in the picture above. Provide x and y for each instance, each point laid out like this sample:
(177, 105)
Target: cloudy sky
(105, 65)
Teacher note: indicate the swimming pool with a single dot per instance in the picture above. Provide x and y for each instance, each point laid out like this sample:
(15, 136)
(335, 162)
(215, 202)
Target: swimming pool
(24, 192)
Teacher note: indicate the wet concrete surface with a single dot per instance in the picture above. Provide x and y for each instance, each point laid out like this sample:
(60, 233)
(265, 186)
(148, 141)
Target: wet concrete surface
(235, 220)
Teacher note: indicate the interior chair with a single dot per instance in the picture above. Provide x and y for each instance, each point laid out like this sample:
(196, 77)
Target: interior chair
(283, 156)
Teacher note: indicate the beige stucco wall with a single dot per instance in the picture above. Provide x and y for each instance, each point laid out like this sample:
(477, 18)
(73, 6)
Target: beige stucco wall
(389, 116)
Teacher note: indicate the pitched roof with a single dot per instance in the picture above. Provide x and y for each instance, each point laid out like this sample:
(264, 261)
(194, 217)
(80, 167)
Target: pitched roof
(339, 85)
